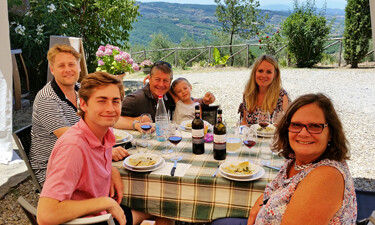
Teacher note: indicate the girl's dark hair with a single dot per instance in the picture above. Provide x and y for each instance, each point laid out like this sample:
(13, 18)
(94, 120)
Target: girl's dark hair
(337, 148)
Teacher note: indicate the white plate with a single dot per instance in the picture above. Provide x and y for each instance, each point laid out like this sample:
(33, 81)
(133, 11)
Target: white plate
(161, 164)
(146, 155)
(184, 125)
(255, 177)
(261, 133)
(255, 168)
(122, 136)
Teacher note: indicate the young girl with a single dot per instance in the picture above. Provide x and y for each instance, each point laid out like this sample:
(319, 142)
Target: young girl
(185, 105)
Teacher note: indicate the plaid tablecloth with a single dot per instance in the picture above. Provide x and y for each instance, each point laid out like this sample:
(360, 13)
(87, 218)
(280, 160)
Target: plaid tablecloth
(197, 196)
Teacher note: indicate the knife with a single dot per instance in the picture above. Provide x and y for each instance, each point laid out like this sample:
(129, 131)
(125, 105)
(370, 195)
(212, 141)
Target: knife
(272, 167)
(174, 168)
(218, 166)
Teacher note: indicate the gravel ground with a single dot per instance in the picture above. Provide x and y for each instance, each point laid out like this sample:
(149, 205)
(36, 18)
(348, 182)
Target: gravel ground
(351, 90)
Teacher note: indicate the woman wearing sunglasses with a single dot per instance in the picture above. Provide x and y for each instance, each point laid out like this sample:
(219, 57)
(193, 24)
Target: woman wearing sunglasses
(314, 186)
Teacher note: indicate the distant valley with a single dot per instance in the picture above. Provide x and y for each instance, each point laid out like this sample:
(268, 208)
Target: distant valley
(199, 21)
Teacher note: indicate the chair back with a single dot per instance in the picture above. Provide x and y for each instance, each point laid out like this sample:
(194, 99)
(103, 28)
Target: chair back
(365, 204)
(31, 213)
(22, 137)
(28, 209)
(209, 113)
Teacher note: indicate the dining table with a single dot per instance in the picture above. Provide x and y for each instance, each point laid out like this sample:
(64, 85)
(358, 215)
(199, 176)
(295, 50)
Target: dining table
(194, 195)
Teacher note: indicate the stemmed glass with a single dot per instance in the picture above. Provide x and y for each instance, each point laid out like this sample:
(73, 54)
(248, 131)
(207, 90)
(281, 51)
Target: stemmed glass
(165, 131)
(264, 120)
(248, 136)
(174, 136)
(146, 125)
(276, 117)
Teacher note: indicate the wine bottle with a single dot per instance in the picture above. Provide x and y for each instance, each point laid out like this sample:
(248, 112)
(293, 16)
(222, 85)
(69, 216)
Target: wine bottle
(197, 131)
(220, 138)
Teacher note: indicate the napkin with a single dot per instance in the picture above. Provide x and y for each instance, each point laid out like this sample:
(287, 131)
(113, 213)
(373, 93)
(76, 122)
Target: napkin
(181, 169)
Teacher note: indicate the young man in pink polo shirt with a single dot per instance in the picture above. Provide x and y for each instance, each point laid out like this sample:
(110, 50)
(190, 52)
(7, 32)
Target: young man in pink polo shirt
(80, 178)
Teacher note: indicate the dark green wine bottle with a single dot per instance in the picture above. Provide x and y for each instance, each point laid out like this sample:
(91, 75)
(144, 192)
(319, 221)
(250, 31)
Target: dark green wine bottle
(197, 131)
(220, 138)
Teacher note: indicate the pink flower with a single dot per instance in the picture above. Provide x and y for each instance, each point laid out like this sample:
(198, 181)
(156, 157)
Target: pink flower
(277, 32)
(260, 40)
(108, 51)
(111, 47)
(267, 37)
(260, 47)
(101, 48)
(135, 67)
(125, 55)
(99, 53)
(118, 58)
(101, 62)
(130, 61)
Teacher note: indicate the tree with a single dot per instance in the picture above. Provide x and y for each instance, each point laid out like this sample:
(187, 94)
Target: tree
(306, 31)
(97, 22)
(160, 41)
(239, 17)
(357, 31)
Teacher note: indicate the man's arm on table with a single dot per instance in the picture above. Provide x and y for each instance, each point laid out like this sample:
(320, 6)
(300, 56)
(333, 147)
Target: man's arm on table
(52, 211)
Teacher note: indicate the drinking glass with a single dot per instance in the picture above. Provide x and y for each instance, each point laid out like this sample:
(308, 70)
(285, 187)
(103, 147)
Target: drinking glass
(233, 135)
(276, 117)
(248, 136)
(165, 131)
(264, 120)
(146, 125)
(174, 136)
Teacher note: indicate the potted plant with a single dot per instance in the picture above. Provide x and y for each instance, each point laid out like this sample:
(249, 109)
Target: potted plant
(114, 61)
(219, 61)
(146, 66)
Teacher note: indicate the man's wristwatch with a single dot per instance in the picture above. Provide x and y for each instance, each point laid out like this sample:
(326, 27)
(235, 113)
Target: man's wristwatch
(135, 122)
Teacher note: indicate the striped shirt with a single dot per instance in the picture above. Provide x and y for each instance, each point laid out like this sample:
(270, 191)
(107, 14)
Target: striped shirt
(51, 111)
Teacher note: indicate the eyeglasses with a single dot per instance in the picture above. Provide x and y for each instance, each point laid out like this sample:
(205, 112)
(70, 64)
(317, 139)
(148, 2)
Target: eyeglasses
(160, 63)
(312, 128)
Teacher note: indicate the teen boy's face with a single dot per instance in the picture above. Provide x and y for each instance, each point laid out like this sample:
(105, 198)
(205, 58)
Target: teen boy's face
(103, 108)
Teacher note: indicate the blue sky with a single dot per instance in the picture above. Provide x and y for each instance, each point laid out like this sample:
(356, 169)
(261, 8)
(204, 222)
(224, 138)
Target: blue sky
(340, 4)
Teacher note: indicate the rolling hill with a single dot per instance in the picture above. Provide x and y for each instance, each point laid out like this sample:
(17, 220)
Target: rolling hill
(175, 20)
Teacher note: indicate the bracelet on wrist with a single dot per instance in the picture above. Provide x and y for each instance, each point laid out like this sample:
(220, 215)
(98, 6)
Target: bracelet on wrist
(135, 122)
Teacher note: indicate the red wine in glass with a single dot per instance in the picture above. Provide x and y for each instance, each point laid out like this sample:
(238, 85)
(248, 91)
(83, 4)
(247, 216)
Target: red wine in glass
(249, 143)
(263, 124)
(146, 127)
(174, 139)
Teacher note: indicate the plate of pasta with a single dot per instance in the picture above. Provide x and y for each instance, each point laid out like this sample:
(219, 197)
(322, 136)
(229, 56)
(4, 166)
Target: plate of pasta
(122, 136)
(143, 161)
(239, 169)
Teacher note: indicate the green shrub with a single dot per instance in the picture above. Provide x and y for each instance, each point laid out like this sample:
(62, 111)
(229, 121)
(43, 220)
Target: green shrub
(357, 31)
(305, 31)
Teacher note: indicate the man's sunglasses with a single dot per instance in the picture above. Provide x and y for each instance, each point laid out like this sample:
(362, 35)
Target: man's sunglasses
(160, 63)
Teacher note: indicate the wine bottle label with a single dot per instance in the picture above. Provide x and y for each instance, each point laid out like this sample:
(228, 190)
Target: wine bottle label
(220, 146)
(198, 140)
(197, 133)
(220, 138)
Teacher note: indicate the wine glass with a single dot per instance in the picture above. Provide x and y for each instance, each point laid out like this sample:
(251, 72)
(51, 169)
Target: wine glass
(165, 131)
(174, 136)
(146, 125)
(276, 117)
(264, 119)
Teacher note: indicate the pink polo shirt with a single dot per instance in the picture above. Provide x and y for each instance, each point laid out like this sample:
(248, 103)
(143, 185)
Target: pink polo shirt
(79, 166)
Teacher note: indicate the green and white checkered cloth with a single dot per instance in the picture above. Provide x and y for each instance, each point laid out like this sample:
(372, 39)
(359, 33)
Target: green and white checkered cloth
(197, 196)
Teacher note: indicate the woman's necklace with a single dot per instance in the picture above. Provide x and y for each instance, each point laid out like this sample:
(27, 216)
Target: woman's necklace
(301, 167)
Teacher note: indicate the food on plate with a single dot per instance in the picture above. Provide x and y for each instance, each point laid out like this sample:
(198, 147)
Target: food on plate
(118, 137)
(143, 161)
(267, 129)
(188, 125)
(242, 168)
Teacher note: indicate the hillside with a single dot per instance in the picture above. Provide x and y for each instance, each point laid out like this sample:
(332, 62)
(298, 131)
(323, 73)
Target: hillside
(175, 20)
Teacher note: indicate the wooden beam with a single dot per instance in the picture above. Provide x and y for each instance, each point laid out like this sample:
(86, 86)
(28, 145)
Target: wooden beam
(372, 12)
